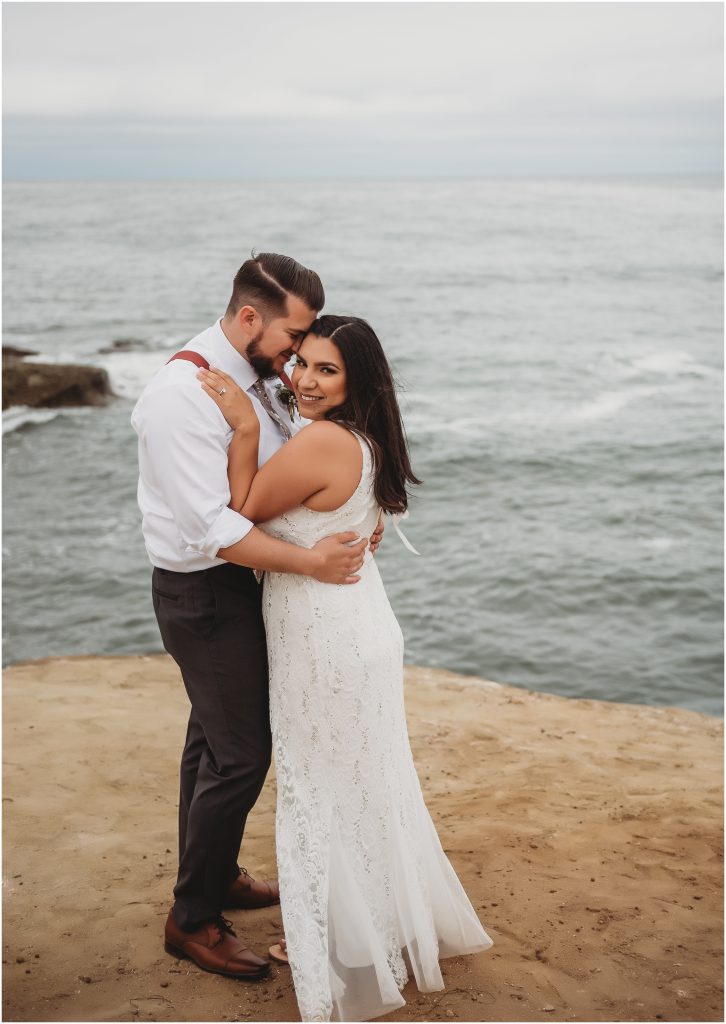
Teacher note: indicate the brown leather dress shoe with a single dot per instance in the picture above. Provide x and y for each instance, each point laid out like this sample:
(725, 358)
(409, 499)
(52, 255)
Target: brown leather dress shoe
(247, 894)
(214, 947)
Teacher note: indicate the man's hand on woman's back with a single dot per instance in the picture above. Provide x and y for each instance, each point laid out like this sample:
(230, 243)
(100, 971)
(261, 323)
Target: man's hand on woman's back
(338, 560)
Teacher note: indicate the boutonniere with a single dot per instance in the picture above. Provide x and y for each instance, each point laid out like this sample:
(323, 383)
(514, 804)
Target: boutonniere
(287, 397)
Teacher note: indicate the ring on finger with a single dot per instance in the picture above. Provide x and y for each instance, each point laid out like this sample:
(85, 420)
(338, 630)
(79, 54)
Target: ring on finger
(222, 391)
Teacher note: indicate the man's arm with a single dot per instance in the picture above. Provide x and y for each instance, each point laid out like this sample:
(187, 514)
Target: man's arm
(332, 560)
(184, 435)
(184, 441)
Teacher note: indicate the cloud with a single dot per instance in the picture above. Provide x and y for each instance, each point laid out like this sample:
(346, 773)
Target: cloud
(388, 73)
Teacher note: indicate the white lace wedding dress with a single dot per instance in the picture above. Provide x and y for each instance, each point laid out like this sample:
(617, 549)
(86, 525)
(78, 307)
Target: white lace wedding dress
(367, 894)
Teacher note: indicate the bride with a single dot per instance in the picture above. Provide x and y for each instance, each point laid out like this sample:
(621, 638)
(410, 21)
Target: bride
(368, 896)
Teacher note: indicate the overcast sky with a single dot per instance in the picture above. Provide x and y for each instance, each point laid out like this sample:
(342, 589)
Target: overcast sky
(318, 90)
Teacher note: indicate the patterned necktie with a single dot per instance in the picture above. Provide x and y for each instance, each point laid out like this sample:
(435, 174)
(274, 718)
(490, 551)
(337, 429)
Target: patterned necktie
(259, 389)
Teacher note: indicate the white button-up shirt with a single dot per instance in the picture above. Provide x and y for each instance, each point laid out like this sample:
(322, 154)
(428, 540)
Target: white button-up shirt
(183, 440)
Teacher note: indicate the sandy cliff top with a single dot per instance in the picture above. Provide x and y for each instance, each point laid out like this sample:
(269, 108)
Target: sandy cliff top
(587, 834)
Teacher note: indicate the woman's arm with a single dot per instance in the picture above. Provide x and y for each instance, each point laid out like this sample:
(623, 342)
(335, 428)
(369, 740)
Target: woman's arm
(242, 465)
(323, 459)
(243, 452)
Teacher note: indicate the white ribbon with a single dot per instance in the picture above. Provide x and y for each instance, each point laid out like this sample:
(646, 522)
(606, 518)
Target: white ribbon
(396, 519)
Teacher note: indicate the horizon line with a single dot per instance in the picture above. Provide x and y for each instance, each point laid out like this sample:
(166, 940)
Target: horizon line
(514, 176)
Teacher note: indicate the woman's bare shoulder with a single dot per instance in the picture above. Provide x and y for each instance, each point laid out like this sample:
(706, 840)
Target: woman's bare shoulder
(329, 436)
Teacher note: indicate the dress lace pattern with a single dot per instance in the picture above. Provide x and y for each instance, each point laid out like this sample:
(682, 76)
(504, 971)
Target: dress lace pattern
(368, 896)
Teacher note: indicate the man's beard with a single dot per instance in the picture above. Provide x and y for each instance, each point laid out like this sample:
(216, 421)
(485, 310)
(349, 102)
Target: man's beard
(262, 365)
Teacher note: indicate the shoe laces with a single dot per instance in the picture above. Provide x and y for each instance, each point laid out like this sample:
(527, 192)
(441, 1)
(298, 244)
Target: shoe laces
(223, 926)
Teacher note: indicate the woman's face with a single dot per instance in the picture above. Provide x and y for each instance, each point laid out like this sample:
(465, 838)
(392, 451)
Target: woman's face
(319, 377)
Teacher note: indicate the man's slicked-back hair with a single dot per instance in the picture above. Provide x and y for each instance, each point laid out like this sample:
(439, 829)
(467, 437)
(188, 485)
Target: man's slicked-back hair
(266, 279)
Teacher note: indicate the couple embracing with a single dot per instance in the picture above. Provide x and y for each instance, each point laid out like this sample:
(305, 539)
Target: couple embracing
(305, 661)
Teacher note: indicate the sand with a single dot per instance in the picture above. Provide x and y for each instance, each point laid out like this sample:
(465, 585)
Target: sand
(587, 834)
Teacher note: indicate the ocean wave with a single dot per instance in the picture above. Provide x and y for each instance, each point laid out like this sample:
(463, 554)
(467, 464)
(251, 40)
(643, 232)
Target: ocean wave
(669, 363)
(22, 416)
(673, 363)
(657, 543)
(130, 372)
(63, 358)
(607, 404)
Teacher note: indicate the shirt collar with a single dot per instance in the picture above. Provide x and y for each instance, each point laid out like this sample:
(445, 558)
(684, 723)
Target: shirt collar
(227, 358)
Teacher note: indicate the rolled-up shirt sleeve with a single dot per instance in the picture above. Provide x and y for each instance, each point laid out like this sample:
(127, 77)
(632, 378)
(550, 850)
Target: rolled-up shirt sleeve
(185, 439)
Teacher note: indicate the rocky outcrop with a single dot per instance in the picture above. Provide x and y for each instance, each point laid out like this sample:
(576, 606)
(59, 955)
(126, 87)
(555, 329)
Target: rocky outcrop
(11, 352)
(123, 345)
(51, 385)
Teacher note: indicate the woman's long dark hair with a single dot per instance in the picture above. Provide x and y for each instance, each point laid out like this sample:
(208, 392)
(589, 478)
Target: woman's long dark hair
(371, 408)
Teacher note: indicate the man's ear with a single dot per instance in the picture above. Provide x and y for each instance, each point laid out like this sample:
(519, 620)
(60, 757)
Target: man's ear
(246, 317)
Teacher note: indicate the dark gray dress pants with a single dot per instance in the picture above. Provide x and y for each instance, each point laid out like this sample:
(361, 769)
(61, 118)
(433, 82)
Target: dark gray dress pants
(211, 625)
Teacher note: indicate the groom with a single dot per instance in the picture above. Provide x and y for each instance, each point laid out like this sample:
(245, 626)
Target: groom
(206, 597)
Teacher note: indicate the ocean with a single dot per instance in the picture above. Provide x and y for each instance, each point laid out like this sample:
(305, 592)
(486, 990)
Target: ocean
(559, 350)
